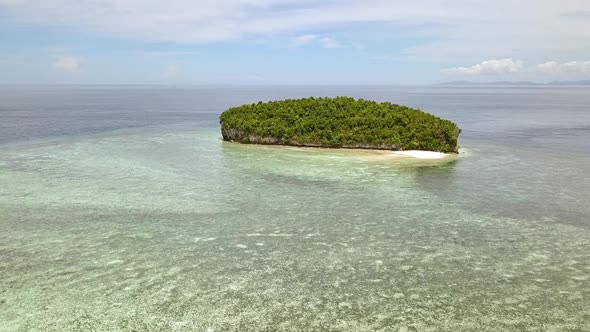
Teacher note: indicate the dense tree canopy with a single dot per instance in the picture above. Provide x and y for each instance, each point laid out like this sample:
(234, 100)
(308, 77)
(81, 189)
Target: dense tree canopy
(339, 122)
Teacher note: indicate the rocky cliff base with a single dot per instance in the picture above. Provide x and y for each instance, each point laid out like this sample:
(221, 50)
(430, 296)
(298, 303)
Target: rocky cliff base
(234, 135)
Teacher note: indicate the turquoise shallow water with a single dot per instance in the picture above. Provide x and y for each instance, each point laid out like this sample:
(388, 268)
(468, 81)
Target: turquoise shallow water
(168, 228)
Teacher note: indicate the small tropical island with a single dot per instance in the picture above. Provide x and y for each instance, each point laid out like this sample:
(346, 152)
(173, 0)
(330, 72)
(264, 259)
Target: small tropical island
(340, 122)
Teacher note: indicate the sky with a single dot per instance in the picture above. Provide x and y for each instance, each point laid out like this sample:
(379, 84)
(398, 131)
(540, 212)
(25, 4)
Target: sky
(263, 42)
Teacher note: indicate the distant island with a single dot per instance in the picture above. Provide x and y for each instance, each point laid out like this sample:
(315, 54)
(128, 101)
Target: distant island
(582, 83)
(340, 122)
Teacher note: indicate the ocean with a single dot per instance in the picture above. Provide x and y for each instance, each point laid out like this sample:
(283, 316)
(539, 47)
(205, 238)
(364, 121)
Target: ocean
(121, 209)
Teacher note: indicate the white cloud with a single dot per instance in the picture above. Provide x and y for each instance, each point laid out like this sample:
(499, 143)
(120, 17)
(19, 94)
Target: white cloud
(210, 21)
(67, 64)
(327, 42)
(200, 20)
(311, 39)
(304, 40)
(500, 66)
(170, 71)
(460, 30)
(553, 67)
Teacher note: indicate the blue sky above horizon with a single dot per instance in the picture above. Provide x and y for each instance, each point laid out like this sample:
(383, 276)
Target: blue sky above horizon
(292, 42)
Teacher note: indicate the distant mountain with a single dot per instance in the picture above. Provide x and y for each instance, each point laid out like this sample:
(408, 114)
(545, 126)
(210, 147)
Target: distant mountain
(586, 82)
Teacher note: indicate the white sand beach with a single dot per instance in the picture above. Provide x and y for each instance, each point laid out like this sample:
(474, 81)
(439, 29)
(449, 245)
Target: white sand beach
(367, 154)
(422, 154)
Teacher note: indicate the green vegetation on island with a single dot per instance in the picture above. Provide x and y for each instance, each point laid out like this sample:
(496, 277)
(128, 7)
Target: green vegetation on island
(340, 122)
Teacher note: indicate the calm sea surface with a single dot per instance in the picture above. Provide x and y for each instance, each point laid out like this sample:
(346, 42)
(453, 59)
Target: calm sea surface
(122, 210)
